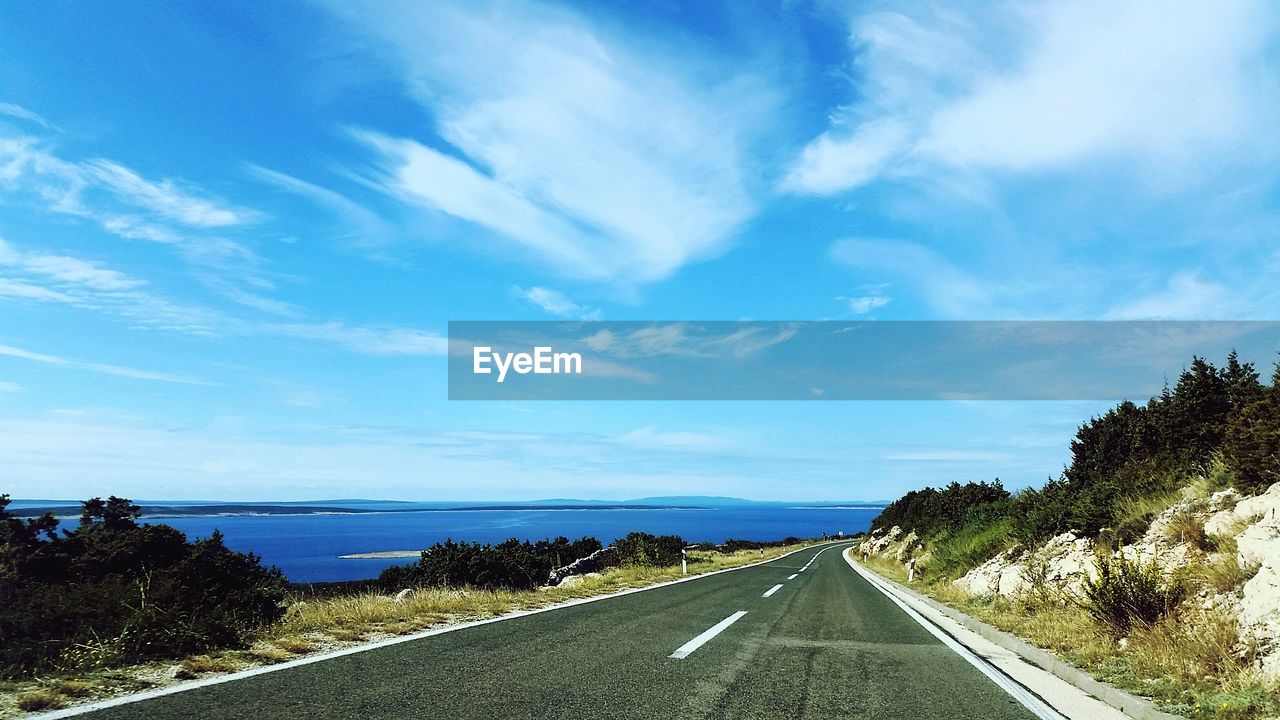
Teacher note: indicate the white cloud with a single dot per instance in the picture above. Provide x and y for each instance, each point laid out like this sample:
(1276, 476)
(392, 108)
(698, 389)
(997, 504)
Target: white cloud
(10, 351)
(65, 269)
(1185, 297)
(358, 218)
(833, 162)
(163, 197)
(687, 441)
(96, 189)
(864, 304)
(368, 340)
(21, 113)
(680, 339)
(1166, 88)
(7, 386)
(45, 277)
(555, 302)
(948, 289)
(29, 291)
(608, 161)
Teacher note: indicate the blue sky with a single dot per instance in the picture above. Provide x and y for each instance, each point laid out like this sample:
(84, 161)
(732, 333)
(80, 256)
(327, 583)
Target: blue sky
(231, 237)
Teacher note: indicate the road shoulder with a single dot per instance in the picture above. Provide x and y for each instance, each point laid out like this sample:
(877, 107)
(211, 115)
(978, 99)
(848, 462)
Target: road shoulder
(1071, 692)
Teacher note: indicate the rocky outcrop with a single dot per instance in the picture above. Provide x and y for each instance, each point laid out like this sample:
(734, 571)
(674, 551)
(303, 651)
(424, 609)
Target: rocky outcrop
(880, 540)
(1001, 575)
(1253, 523)
(1258, 545)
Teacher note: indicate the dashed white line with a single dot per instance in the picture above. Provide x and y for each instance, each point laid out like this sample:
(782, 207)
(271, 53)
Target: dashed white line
(772, 590)
(792, 577)
(687, 649)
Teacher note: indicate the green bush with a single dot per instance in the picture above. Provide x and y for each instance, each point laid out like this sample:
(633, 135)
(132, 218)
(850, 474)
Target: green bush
(513, 564)
(640, 548)
(970, 546)
(1127, 592)
(114, 591)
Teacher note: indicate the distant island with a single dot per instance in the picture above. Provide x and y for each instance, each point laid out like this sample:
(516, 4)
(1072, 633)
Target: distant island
(208, 508)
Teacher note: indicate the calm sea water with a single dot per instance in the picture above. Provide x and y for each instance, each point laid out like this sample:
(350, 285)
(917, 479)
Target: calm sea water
(306, 547)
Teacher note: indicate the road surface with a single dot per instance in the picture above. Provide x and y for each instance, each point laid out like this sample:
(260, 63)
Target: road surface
(799, 637)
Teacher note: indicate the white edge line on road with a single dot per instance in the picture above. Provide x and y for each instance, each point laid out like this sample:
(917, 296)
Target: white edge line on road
(1029, 700)
(687, 649)
(263, 670)
(772, 590)
(792, 577)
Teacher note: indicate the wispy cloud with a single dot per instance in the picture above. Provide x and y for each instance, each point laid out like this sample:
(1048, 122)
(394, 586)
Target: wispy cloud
(556, 303)
(680, 339)
(368, 340)
(163, 197)
(108, 192)
(9, 386)
(864, 304)
(117, 370)
(46, 277)
(21, 113)
(1165, 87)
(1185, 297)
(358, 218)
(948, 289)
(604, 161)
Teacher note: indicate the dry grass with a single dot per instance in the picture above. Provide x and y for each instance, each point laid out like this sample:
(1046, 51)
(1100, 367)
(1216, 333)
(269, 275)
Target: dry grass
(1222, 572)
(43, 699)
(1187, 528)
(1192, 661)
(352, 617)
(268, 654)
(1195, 647)
(314, 625)
(204, 664)
(294, 644)
(77, 688)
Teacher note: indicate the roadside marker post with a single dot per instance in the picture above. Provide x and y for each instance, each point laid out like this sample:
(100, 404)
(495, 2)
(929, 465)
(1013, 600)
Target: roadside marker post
(684, 559)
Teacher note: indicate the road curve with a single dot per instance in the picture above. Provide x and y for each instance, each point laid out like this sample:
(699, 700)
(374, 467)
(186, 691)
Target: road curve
(824, 645)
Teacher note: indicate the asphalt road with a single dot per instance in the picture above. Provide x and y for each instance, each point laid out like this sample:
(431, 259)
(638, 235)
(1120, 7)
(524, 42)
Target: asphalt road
(825, 645)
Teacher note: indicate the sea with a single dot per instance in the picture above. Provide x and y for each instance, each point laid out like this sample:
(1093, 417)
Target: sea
(306, 547)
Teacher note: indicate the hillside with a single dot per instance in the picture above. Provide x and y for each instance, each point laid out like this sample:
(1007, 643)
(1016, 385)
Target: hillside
(1153, 561)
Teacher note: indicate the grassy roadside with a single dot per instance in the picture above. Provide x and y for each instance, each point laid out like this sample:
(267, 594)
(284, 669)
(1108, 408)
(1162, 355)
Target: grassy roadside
(319, 625)
(1186, 662)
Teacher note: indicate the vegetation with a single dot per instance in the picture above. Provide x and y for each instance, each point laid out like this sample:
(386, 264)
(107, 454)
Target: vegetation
(1126, 593)
(1215, 428)
(90, 612)
(513, 565)
(113, 591)
(1189, 659)
(336, 619)
(1222, 425)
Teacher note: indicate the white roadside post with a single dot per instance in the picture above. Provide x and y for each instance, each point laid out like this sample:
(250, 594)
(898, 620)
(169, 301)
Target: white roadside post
(684, 559)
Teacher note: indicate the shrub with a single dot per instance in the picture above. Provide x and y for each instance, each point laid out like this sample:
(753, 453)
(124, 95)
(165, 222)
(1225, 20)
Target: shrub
(971, 546)
(513, 564)
(1128, 592)
(114, 591)
(644, 549)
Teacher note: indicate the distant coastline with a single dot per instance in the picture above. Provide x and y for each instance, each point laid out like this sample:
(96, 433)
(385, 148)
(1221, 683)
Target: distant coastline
(161, 510)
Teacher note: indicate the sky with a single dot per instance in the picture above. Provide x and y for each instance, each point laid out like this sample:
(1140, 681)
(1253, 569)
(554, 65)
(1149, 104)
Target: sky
(232, 235)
